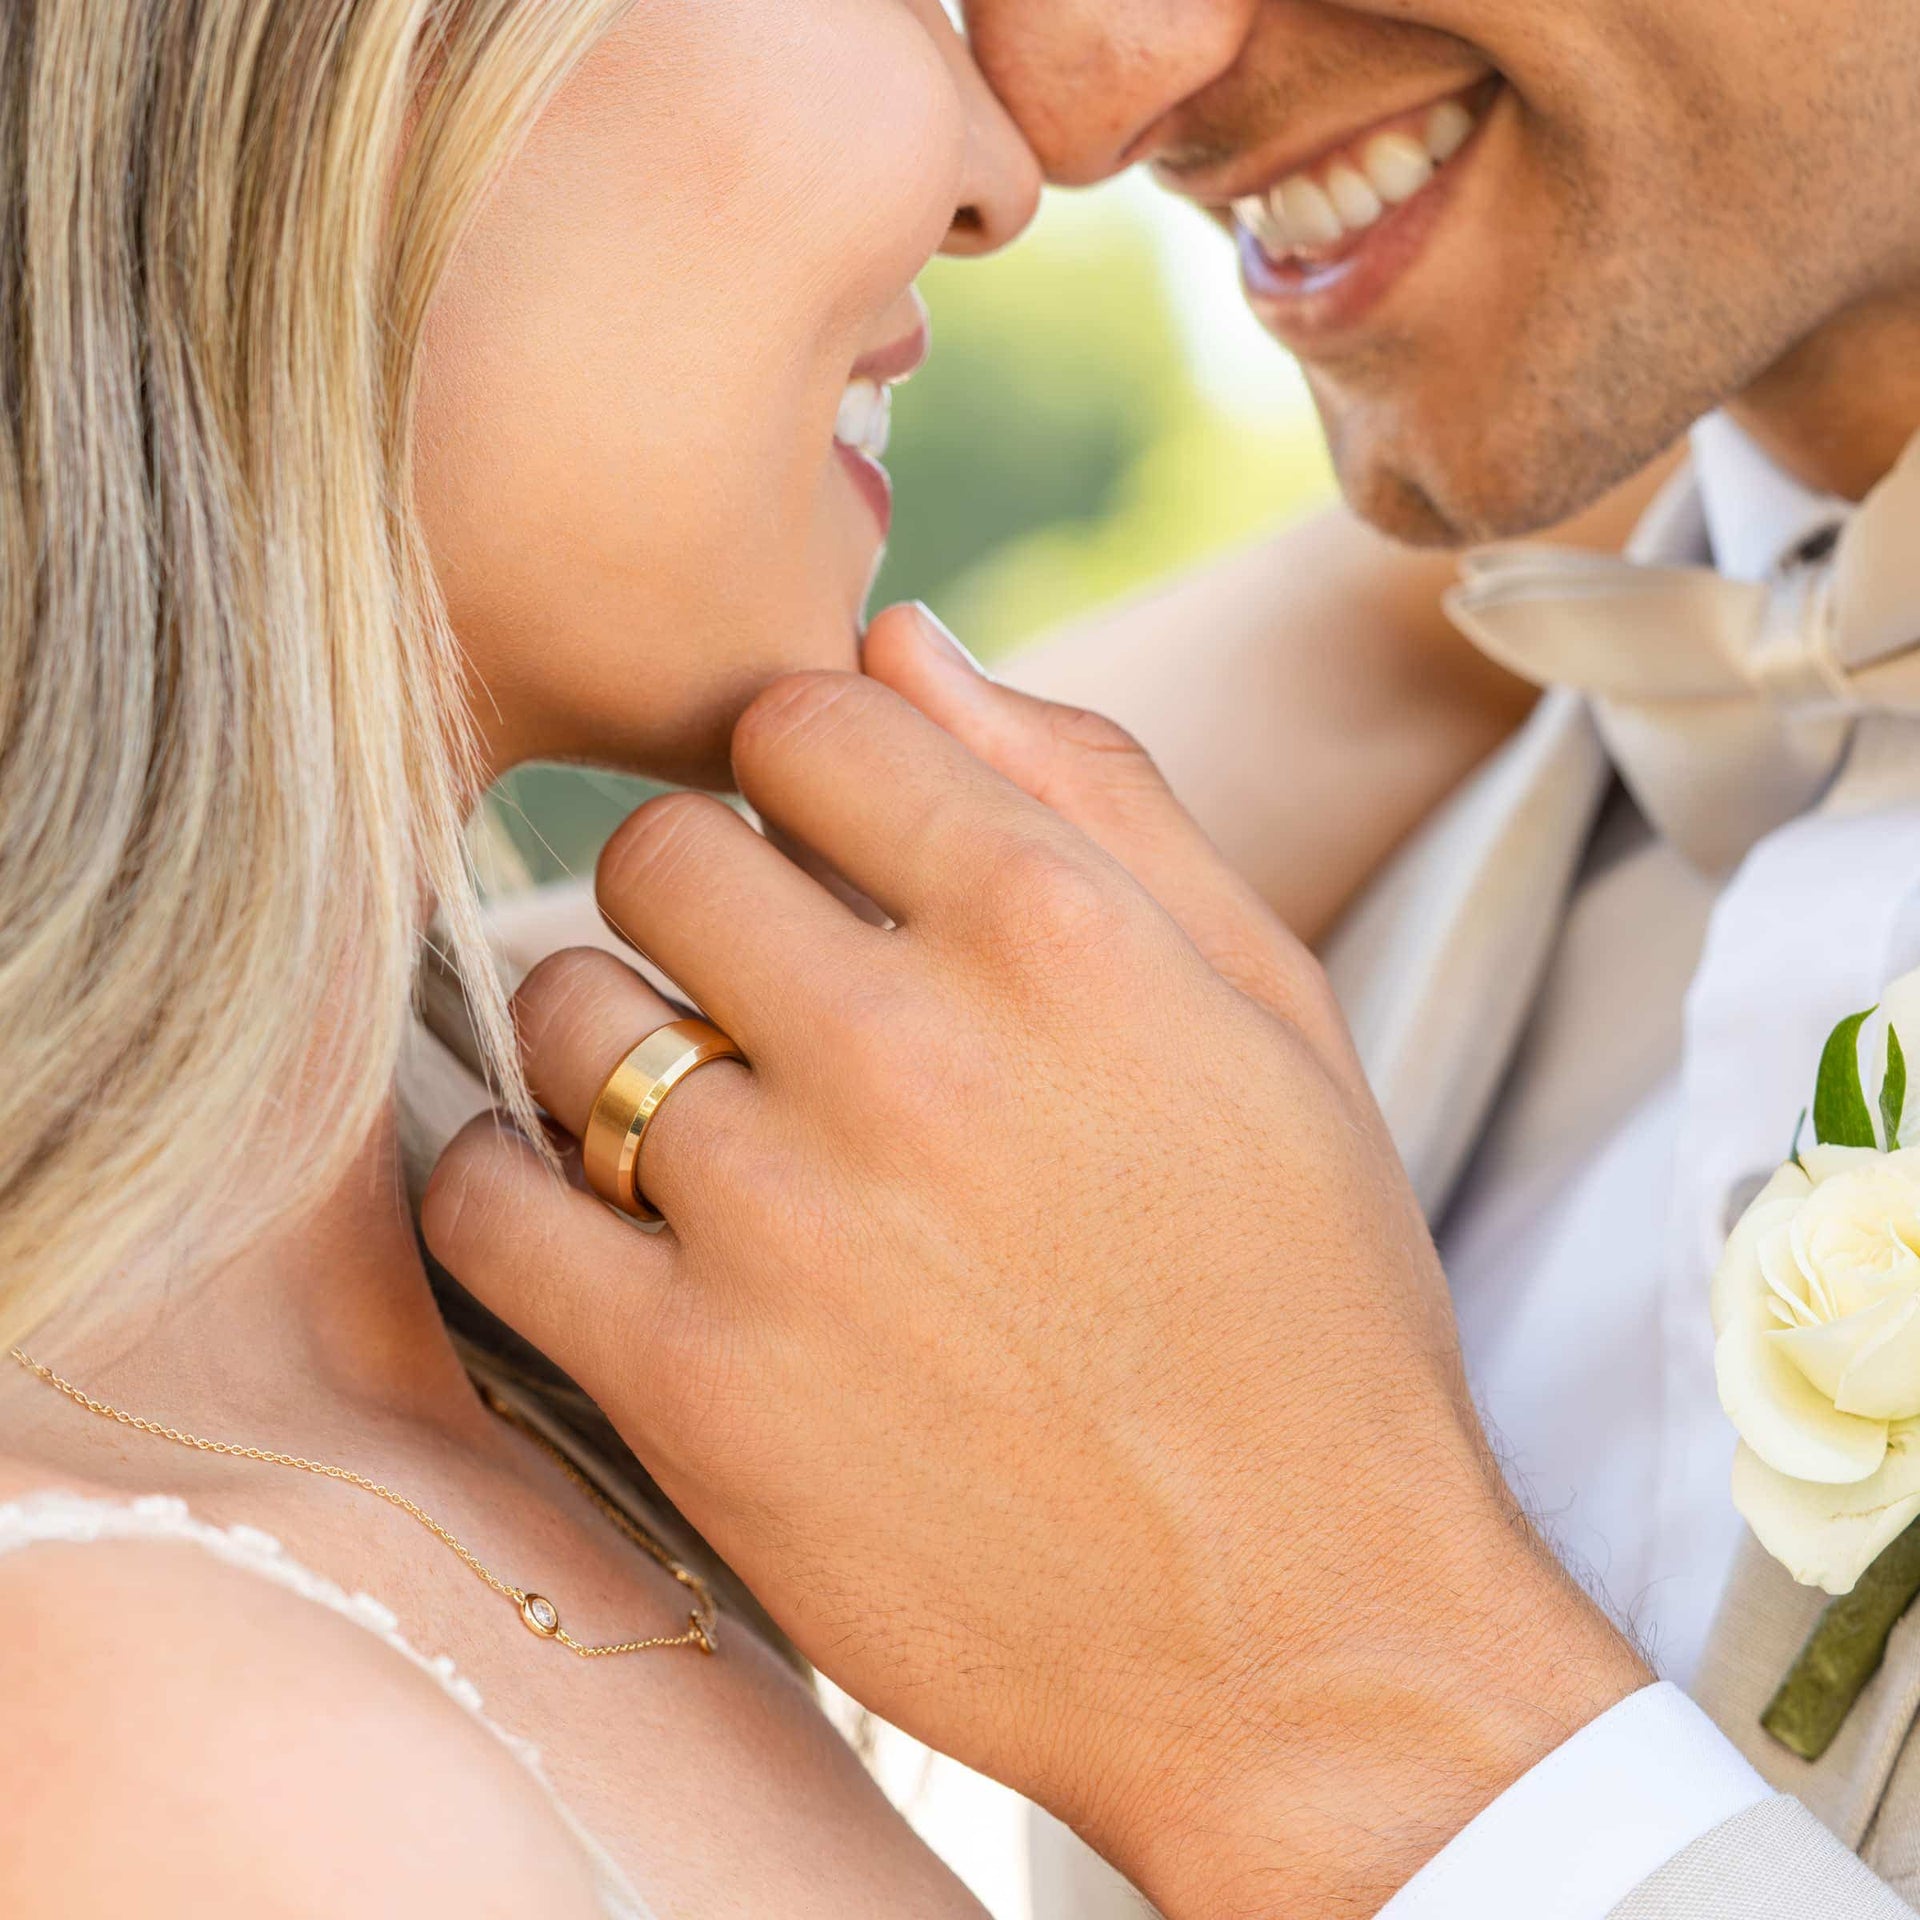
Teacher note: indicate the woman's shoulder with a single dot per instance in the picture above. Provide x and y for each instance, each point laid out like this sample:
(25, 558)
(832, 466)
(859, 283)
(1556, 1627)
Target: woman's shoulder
(193, 1737)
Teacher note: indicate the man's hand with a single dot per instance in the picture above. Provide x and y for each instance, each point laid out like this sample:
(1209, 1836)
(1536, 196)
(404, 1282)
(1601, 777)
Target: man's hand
(1045, 1330)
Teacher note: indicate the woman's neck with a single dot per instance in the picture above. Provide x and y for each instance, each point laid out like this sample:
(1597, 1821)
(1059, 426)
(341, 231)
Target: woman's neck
(326, 1324)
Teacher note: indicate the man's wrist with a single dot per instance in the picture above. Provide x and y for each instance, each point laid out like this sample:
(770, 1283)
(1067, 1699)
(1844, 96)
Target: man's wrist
(1371, 1750)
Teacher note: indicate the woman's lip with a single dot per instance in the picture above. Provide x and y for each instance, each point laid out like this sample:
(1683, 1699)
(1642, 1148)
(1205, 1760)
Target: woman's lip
(1302, 302)
(871, 481)
(900, 361)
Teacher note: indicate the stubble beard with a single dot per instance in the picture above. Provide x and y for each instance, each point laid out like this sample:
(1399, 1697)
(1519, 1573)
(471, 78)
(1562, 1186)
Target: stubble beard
(1637, 321)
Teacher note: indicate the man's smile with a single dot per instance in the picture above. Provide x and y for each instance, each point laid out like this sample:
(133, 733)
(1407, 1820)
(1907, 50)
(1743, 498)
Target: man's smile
(1325, 234)
(1314, 214)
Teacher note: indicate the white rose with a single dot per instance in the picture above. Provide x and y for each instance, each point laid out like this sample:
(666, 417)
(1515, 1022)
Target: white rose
(1817, 1307)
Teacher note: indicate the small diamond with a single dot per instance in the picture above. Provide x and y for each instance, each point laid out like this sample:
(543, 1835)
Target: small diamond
(540, 1614)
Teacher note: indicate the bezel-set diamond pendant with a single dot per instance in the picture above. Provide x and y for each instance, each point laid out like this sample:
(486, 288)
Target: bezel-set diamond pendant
(540, 1615)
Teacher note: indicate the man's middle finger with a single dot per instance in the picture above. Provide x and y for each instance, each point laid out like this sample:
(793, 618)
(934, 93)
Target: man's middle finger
(893, 802)
(728, 917)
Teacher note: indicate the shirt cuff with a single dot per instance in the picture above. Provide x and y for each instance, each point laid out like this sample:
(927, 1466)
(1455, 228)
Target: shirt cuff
(1573, 1837)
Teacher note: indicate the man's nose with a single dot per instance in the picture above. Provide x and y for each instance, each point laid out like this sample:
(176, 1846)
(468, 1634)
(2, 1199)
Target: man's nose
(1091, 80)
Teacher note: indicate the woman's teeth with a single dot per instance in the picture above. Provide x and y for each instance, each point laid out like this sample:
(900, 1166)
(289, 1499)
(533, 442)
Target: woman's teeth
(1306, 214)
(866, 419)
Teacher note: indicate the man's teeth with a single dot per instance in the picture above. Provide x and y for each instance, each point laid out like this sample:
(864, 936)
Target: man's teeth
(866, 419)
(1446, 130)
(1355, 198)
(1398, 165)
(1305, 215)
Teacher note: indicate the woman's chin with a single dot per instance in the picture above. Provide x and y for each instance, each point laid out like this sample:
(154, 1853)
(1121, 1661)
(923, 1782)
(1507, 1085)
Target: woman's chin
(695, 747)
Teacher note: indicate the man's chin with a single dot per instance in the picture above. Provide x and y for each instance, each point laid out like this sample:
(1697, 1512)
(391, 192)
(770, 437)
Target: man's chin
(1462, 476)
(1431, 500)
(1400, 507)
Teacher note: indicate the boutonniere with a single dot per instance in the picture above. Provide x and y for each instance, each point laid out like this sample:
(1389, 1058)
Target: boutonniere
(1816, 1312)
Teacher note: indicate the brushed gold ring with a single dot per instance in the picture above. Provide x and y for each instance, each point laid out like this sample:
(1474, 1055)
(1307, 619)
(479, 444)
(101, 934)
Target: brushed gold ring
(634, 1093)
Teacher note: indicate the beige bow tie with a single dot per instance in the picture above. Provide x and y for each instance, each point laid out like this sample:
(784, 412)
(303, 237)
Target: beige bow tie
(1727, 707)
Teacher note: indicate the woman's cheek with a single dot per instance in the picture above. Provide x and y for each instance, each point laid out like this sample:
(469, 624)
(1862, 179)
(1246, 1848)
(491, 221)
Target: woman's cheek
(881, 140)
(629, 474)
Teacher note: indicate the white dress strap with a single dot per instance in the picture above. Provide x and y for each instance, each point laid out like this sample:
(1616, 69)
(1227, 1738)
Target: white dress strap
(59, 1518)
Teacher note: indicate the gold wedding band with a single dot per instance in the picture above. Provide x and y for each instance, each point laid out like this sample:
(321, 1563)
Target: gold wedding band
(635, 1092)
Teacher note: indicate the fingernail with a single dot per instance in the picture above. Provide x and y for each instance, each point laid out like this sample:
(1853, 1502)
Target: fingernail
(942, 638)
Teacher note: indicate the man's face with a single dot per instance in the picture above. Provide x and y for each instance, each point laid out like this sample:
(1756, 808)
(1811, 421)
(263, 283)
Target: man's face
(1658, 200)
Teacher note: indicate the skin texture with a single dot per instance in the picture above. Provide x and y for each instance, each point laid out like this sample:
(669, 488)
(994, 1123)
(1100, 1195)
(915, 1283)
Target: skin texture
(1308, 700)
(208, 1677)
(1090, 1405)
(1674, 204)
(635, 506)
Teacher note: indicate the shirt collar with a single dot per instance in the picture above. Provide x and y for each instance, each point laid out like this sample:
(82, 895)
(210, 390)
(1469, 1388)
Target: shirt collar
(1758, 516)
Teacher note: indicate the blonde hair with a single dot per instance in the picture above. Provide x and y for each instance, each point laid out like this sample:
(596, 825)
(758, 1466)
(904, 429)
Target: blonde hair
(235, 755)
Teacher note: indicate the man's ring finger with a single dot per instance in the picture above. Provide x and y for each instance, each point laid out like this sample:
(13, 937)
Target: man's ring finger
(634, 1093)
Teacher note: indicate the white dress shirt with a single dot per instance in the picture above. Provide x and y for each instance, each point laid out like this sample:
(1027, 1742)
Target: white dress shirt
(1668, 1055)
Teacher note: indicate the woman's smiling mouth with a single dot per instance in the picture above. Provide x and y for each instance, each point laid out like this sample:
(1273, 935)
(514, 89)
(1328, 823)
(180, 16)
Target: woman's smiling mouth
(864, 427)
(861, 436)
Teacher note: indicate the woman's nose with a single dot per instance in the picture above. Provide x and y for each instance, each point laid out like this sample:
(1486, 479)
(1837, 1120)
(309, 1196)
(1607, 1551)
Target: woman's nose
(1089, 81)
(1000, 189)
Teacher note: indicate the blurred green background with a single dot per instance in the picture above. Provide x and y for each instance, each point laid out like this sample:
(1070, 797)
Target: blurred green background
(1100, 411)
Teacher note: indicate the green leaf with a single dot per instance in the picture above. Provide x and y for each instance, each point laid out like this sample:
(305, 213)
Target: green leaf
(1793, 1153)
(1840, 1116)
(1893, 1089)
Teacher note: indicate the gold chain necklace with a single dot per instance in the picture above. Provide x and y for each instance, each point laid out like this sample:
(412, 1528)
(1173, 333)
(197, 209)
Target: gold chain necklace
(537, 1613)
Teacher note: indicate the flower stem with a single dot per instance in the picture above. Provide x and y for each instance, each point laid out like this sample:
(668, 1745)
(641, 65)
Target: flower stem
(1844, 1652)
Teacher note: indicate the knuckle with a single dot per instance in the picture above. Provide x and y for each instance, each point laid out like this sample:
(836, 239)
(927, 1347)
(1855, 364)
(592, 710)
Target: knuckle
(1090, 753)
(1045, 904)
(465, 1194)
(1252, 966)
(803, 707)
(548, 1002)
(1309, 982)
(1287, 979)
(1081, 731)
(1315, 1007)
(650, 845)
(1093, 771)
